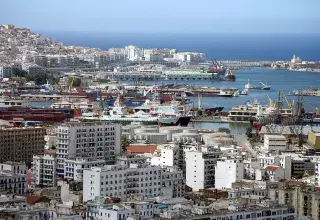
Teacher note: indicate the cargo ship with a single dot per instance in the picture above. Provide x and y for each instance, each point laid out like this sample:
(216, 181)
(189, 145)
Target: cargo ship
(47, 115)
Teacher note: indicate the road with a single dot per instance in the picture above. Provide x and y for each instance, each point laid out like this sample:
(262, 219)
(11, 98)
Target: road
(242, 141)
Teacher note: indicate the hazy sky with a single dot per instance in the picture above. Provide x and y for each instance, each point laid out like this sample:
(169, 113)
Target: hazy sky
(275, 16)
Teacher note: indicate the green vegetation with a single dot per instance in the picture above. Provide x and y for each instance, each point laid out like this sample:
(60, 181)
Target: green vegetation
(249, 132)
(124, 145)
(74, 81)
(19, 72)
(38, 78)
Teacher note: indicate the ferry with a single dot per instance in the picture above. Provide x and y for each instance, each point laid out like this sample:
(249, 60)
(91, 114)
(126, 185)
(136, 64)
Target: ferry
(5, 103)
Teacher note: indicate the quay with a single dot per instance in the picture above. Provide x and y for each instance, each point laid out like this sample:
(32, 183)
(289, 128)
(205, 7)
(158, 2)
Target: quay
(217, 120)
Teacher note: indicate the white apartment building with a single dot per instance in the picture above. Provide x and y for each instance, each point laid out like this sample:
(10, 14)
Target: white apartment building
(44, 170)
(279, 160)
(135, 209)
(200, 169)
(228, 172)
(90, 141)
(133, 52)
(73, 169)
(139, 180)
(13, 178)
(14, 167)
(169, 155)
(275, 142)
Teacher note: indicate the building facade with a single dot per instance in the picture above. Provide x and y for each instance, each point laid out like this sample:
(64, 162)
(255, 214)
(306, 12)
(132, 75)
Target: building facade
(13, 178)
(89, 141)
(44, 170)
(138, 180)
(228, 172)
(20, 144)
(200, 169)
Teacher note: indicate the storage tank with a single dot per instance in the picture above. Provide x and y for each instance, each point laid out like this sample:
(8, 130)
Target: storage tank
(169, 131)
(154, 138)
(130, 128)
(186, 137)
(153, 129)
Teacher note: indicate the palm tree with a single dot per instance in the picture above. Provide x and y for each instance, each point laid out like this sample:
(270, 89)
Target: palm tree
(124, 144)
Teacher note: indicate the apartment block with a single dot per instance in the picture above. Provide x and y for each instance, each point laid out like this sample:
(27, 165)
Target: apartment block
(89, 141)
(141, 180)
(44, 169)
(200, 169)
(20, 144)
(13, 178)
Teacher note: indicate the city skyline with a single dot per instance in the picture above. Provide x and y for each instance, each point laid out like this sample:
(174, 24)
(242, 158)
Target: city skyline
(202, 16)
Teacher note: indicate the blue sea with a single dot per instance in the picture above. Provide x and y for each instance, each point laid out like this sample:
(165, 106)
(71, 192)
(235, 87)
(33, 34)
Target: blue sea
(220, 46)
(253, 47)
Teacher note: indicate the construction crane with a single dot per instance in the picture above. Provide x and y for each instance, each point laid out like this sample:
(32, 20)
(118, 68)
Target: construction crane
(271, 102)
(289, 102)
(315, 109)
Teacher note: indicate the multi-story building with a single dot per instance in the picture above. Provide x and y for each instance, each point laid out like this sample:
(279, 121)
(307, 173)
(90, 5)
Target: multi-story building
(284, 161)
(98, 210)
(228, 172)
(303, 198)
(13, 178)
(20, 144)
(138, 180)
(89, 141)
(44, 169)
(200, 169)
(275, 142)
(74, 168)
(5, 71)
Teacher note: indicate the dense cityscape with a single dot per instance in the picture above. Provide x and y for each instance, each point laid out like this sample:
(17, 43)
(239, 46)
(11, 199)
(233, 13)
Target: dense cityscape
(111, 135)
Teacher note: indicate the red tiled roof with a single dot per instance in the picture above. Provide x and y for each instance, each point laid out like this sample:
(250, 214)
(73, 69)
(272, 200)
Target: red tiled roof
(31, 199)
(272, 167)
(141, 149)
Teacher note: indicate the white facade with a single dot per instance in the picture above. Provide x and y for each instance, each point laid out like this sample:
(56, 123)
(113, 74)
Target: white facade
(51, 141)
(140, 180)
(200, 169)
(74, 168)
(228, 172)
(123, 211)
(133, 52)
(44, 170)
(279, 160)
(275, 142)
(169, 155)
(13, 178)
(90, 141)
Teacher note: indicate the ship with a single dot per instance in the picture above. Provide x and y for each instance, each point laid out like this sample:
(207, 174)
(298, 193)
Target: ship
(46, 115)
(263, 87)
(230, 76)
(152, 112)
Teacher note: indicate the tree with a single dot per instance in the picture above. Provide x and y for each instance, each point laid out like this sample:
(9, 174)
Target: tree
(226, 130)
(38, 78)
(74, 82)
(124, 144)
(249, 132)
(19, 72)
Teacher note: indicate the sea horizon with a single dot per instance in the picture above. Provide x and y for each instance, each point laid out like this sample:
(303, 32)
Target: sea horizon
(221, 46)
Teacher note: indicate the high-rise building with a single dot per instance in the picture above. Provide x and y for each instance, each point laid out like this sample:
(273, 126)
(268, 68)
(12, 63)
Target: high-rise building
(200, 169)
(44, 169)
(89, 141)
(20, 144)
